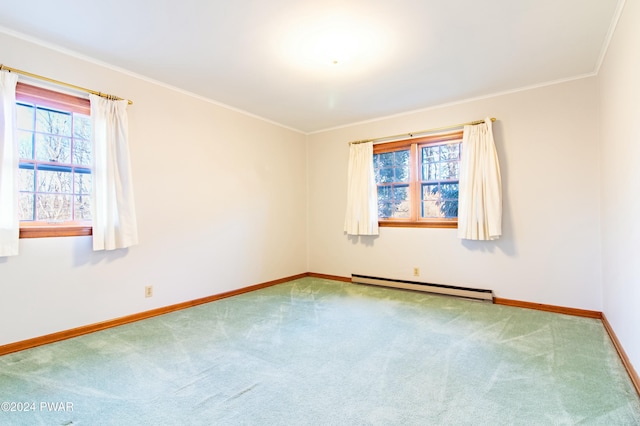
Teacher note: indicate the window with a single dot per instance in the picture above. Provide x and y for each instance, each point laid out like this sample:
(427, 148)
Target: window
(417, 181)
(54, 144)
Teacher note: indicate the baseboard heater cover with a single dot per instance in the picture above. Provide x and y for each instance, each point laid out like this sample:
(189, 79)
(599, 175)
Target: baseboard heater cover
(470, 293)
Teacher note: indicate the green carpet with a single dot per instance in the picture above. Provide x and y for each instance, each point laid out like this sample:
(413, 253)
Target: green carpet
(319, 352)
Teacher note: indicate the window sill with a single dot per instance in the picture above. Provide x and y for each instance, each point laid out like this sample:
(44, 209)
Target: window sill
(36, 230)
(443, 223)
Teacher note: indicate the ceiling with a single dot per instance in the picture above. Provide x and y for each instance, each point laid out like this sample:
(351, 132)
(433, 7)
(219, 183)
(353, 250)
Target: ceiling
(274, 58)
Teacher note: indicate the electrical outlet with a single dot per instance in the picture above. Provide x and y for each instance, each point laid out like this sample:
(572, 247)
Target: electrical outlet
(416, 272)
(148, 291)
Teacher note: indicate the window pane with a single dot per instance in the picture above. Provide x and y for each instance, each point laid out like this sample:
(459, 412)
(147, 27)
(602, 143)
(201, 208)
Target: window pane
(431, 196)
(401, 193)
(402, 210)
(27, 182)
(26, 206)
(402, 174)
(82, 207)
(53, 207)
(53, 122)
(440, 200)
(401, 206)
(430, 171)
(392, 166)
(431, 154)
(81, 126)
(385, 192)
(449, 190)
(449, 170)
(450, 152)
(385, 209)
(54, 182)
(430, 192)
(386, 175)
(53, 149)
(385, 160)
(25, 144)
(393, 201)
(431, 209)
(449, 208)
(82, 152)
(25, 117)
(385, 201)
(402, 158)
(82, 183)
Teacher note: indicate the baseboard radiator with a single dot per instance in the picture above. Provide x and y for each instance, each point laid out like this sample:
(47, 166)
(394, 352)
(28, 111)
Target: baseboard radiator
(469, 293)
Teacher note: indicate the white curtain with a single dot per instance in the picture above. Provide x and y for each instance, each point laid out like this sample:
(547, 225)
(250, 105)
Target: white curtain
(480, 191)
(362, 197)
(9, 213)
(114, 216)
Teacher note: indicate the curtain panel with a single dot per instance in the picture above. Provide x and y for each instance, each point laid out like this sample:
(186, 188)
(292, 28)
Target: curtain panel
(480, 189)
(114, 216)
(9, 211)
(362, 198)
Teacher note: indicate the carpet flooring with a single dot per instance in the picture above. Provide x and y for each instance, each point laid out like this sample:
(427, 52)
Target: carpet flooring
(320, 352)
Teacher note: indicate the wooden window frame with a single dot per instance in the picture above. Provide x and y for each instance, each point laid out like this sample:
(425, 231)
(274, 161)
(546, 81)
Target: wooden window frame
(414, 145)
(51, 98)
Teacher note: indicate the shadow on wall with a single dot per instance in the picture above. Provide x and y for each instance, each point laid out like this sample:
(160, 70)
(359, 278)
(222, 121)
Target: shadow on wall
(504, 244)
(366, 240)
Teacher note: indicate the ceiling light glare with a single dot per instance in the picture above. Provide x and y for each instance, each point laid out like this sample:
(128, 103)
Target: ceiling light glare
(332, 43)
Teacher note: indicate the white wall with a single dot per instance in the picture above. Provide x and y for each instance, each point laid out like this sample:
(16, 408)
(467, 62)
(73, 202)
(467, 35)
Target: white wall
(220, 197)
(619, 81)
(547, 141)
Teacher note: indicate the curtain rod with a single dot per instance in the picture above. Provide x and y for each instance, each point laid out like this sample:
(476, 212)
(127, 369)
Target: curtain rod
(421, 132)
(61, 83)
